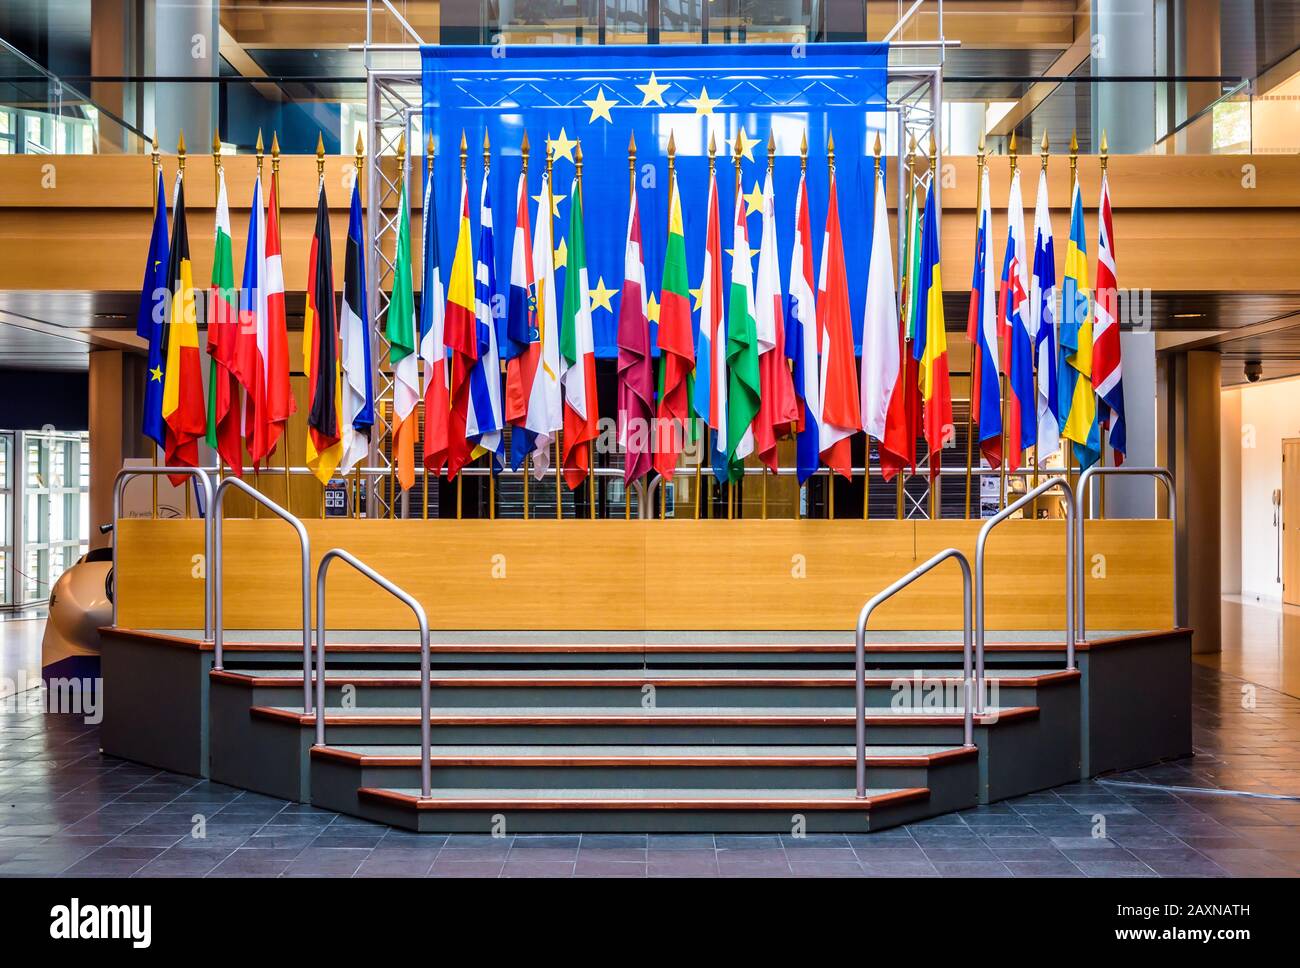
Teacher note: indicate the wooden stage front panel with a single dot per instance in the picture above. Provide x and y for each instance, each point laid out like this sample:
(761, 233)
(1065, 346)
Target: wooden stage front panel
(657, 575)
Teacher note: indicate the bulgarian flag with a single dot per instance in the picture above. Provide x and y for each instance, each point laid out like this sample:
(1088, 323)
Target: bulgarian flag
(676, 351)
(778, 411)
(320, 350)
(183, 411)
(401, 354)
(577, 352)
(224, 423)
(841, 415)
(460, 335)
(271, 404)
(743, 386)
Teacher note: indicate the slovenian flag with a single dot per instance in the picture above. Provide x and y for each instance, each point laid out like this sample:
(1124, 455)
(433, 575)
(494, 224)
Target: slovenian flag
(521, 350)
(1078, 403)
(150, 322)
(225, 414)
(354, 333)
(930, 343)
(1106, 368)
(801, 340)
(483, 418)
(841, 415)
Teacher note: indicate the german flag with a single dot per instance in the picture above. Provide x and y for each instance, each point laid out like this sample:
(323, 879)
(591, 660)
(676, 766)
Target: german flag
(183, 409)
(320, 348)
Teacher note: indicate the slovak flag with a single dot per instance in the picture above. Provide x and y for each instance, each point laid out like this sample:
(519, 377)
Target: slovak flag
(981, 329)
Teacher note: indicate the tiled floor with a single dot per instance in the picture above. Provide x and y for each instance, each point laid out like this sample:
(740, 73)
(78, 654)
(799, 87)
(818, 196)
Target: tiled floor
(65, 809)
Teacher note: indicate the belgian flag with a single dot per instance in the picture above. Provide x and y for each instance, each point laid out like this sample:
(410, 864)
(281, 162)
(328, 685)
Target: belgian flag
(183, 410)
(320, 346)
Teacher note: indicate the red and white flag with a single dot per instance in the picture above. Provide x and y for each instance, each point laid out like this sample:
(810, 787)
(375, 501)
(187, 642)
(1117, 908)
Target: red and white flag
(841, 415)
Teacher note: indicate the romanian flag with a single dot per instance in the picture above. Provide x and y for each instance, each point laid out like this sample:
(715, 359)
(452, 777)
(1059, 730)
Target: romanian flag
(402, 350)
(1078, 403)
(676, 350)
(182, 398)
(930, 343)
(320, 350)
(150, 319)
(461, 335)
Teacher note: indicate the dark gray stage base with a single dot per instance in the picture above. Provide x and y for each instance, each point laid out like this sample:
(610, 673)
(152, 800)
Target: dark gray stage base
(560, 738)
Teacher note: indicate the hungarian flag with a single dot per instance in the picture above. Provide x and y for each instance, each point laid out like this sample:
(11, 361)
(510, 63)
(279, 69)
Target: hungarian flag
(320, 351)
(636, 390)
(577, 352)
(930, 343)
(1042, 324)
(521, 348)
(711, 349)
(742, 349)
(801, 341)
(880, 349)
(981, 330)
(545, 414)
(354, 335)
(182, 399)
(224, 412)
(433, 347)
(1078, 402)
(841, 415)
(1017, 343)
(460, 336)
(150, 319)
(483, 419)
(271, 403)
(400, 331)
(1106, 363)
(676, 350)
(903, 420)
(778, 411)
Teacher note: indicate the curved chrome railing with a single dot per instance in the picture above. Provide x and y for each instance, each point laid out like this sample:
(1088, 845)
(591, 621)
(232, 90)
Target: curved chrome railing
(1158, 473)
(322, 571)
(205, 482)
(1071, 514)
(860, 655)
(304, 545)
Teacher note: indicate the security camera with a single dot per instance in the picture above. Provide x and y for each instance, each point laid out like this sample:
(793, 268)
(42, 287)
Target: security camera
(1254, 370)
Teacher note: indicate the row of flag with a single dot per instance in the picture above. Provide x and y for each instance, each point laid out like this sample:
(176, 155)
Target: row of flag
(762, 365)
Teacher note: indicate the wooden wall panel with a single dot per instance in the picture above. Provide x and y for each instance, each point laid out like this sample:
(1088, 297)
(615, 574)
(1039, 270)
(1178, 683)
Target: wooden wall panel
(775, 574)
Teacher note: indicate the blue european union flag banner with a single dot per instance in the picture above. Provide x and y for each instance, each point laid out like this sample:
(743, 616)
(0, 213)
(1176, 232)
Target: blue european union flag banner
(603, 95)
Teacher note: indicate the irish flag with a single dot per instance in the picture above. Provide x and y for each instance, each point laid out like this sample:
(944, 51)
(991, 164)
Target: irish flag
(676, 351)
(577, 352)
(401, 354)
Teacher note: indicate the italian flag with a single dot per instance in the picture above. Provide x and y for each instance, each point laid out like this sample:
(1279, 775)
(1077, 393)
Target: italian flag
(401, 354)
(742, 350)
(577, 352)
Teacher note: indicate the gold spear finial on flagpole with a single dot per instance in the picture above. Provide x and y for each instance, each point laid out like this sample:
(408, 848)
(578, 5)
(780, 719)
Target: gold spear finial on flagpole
(320, 154)
(803, 152)
(258, 147)
(1043, 151)
(216, 149)
(361, 153)
(464, 151)
(876, 148)
(1074, 158)
(1011, 150)
(523, 151)
(736, 154)
(934, 154)
(713, 150)
(771, 149)
(1105, 150)
(577, 159)
(672, 153)
(429, 152)
(631, 171)
(180, 153)
(830, 150)
(487, 151)
(275, 162)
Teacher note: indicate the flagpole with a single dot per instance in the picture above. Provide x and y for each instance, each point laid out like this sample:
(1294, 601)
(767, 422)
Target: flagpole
(1101, 459)
(1033, 508)
(491, 457)
(523, 157)
(935, 477)
(392, 416)
(157, 173)
(976, 356)
(275, 184)
(216, 195)
(631, 187)
(550, 215)
(731, 485)
(1067, 444)
(907, 299)
(180, 168)
(1003, 382)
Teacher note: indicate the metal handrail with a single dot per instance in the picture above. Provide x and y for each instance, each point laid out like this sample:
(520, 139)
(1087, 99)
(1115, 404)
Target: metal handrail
(409, 600)
(1071, 513)
(1158, 473)
(205, 482)
(860, 655)
(217, 595)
